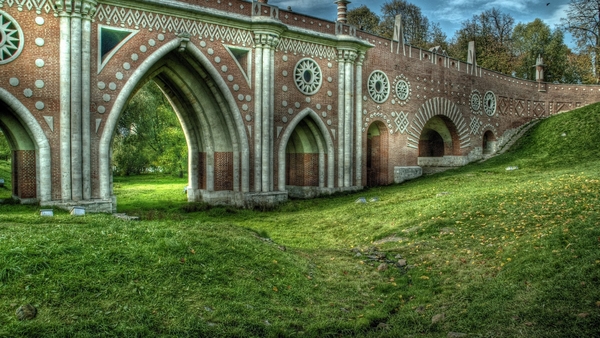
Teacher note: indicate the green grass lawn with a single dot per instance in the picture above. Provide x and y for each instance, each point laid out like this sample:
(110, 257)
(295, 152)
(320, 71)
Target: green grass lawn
(489, 253)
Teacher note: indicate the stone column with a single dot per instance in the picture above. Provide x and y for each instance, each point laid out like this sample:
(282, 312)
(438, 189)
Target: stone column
(265, 44)
(88, 11)
(358, 123)
(349, 56)
(65, 99)
(76, 153)
(341, 116)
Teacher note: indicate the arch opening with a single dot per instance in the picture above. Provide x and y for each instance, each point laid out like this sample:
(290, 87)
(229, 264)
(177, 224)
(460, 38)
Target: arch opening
(212, 133)
(305, 160)
(439, 144)
(18, 158)
(377, 155)
(489, 143)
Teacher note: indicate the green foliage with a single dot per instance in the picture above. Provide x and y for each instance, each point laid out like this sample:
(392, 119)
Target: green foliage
(4, 147)
(363, 18)
(582, 20)
(534, 39)
(491, 30)
(500, 253)
(5, 173)
(149, 136)
(416, 25)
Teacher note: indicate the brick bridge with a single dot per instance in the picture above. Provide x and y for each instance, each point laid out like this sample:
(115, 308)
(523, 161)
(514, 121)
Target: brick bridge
(272, 103)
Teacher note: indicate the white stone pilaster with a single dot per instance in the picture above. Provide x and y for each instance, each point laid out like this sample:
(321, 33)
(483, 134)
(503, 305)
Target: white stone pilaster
(350, 56)
(65, 105)
(341, 116)
(358, 122)
(258, 127)
(76, 104)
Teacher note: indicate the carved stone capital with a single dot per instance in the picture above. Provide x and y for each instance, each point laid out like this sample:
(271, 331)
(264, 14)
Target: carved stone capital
(184, 39)
(266, 40)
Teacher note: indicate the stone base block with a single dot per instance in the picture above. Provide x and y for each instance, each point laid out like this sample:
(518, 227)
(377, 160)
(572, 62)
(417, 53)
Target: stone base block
(402, 174)
(446, 161)
(242, 200)
(90, 206)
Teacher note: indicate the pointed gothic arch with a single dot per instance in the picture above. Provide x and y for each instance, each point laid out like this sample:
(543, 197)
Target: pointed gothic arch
(217, 143)
(377, 154)
(306, 141)
(30, 150)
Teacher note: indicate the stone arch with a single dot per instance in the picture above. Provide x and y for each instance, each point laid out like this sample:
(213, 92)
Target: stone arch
(439, 138)
(307, 134)
(377, 154)
(215, 133)
(30, 147)
(447, 110)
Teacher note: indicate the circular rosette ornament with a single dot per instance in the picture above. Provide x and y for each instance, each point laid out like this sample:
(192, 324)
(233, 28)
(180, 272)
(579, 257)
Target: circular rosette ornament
(308, 76)
(489, 103)
(475, 101)
(11, 38)
(379, 86)
(403, 90)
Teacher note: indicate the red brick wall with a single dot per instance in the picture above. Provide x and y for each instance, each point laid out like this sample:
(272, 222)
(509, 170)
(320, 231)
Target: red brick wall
(24, 174)
(223, 171)
(302, 169)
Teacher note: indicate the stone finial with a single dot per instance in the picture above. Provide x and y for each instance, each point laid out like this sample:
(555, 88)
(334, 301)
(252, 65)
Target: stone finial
(539, 69)
(472, 57)
(342, 13)
(263, 1)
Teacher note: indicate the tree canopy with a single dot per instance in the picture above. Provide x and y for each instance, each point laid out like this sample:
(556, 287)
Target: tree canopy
(582, 20)
(149, 136)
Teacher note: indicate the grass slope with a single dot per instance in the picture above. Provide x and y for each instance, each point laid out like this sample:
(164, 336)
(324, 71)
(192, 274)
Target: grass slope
(490, 253)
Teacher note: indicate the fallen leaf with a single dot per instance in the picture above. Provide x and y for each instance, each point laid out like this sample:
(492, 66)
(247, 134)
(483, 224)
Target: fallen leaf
(275, 289)
(193, 251)
(583, 315)
(424, 277)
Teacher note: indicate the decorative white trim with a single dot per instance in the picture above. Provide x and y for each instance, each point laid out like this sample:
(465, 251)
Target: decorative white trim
(43, 152)
(379, 86)
(308, 76)
(101, 63)
(489, 103)
(285, 137)
(12, 39)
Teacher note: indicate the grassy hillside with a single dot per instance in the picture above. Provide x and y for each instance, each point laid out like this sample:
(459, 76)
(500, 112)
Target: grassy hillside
(488, 253)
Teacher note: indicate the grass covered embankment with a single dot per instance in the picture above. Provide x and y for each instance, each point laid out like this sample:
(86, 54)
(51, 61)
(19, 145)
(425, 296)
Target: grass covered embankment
(489, 253)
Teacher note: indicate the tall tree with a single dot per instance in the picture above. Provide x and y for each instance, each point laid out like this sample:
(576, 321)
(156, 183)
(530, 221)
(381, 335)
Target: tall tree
(582, 20)
(416, 25)
(491, 30)
(363, 18)
(536, 38)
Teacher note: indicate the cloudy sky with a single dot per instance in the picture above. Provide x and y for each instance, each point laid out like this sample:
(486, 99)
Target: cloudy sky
(449, 14)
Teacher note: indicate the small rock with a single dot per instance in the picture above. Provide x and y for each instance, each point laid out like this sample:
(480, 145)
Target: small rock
(398, 257)
(401, 263)
(26, 312)
(361, 200)
(343, 309)
(456, 335)
(443, 193)
(358, 254)
(382, 267)
(382, 326)
(563, 134)
(374, 199)
(438, 318)
(267, 323)
(282, 247)
(420, 309)
(512, 168)
(208, 309)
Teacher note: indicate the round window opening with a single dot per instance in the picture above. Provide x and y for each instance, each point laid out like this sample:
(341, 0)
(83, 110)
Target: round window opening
(308, 76)
(490, 103)
(11, 38)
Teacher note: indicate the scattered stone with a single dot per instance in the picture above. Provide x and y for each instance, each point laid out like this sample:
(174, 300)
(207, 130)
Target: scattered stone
(382, 267)
(390, 239)
(382, 326)
(443, 193)
(445, 231)
(420, 309)
(343, 309)
(398, 256)
(413, 229)
(361, 200)
(267, 323)
(401, 263)
(47, 213)
(208, 309)
(512, 168)
(358, 254)
(26, 312)
(438, 318)
(456, 335)
(563, 134)
(124, 217)
(282, 247)
(374, 199)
